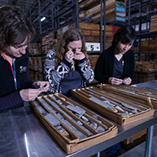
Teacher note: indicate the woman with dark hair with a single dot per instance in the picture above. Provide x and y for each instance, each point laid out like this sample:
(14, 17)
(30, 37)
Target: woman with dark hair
(116, 64)
(68, 67)
(16, 32)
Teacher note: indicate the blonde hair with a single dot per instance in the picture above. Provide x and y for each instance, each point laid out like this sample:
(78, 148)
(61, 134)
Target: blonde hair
(72, 34)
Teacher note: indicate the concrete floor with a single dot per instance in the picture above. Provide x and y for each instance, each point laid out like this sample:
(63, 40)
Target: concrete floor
(139, 150)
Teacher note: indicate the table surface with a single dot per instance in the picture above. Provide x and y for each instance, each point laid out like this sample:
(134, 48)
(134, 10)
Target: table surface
(151, 85)
(23, 135)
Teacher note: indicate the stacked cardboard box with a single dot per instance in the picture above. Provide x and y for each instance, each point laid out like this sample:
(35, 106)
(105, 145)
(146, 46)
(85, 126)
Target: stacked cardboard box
(146, 66)
(93, 59)
(45, 44)
(91, 32)
(34, 48)
(48, 43)
(36, 65)
(147, 46)
(142, 57)
(145, 77)
(134, 49)
(36, 62)
(115, 10)
(133, 141)
(146, 69)
(153, 23)
(36, 76)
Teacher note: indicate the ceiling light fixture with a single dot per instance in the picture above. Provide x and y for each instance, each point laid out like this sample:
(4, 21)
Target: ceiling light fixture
(42, 19)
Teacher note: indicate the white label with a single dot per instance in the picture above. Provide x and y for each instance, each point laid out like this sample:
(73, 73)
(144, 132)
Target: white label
(92, 46)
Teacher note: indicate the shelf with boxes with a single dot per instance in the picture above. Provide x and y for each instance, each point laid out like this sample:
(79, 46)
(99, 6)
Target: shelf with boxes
(114, 10)
(106, 26)
(82, 14)
(37, 59)
(91, 11)
(40, 16)
(140, 10)
(87, 15)
(46, 17)
(142, 15)
(146, 59)
(98, 36)
(85, 12)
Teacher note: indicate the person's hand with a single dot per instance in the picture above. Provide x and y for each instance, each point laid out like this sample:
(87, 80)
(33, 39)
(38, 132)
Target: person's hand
(29, 94)
(43, 86)
(127, 80)
(69, 56)
(79, 56)
(114, 81)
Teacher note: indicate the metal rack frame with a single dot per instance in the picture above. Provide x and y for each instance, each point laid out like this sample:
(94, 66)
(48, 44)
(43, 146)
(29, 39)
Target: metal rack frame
(145, 11)
(65, 12)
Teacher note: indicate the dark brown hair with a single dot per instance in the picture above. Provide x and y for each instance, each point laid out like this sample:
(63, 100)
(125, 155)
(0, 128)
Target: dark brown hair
(15, 27)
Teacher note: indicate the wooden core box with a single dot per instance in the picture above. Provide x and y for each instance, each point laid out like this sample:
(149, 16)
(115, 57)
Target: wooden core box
(117, 108)
(73, 126)
(144, 96)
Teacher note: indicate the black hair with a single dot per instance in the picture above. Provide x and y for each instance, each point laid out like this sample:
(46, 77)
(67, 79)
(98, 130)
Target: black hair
(125, 35)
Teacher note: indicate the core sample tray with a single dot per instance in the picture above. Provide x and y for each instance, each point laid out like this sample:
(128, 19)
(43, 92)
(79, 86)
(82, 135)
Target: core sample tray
(115, 107)
(73, 126)
(137, 94)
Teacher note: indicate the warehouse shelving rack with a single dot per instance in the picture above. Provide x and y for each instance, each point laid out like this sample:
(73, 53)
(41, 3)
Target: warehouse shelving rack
(61, 13)
(139, 13)
(68, 12)
(140, 18)
(39, 10)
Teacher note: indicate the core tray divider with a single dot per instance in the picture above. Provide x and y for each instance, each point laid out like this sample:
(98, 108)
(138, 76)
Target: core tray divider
(67, 118)
(75, 117)
(73, 135)
(91, 119)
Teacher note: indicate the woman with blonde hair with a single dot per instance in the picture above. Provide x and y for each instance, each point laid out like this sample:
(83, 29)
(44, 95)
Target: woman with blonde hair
(68, 66)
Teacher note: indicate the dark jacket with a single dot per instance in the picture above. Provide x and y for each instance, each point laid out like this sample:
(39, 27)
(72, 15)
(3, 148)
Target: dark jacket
(9, 96)
(105, 64)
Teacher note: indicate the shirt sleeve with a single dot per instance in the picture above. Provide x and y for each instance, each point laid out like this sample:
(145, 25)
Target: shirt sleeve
(131, 67)
(86, 70)
(102, 72)
(55, 75)
(10, 100)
